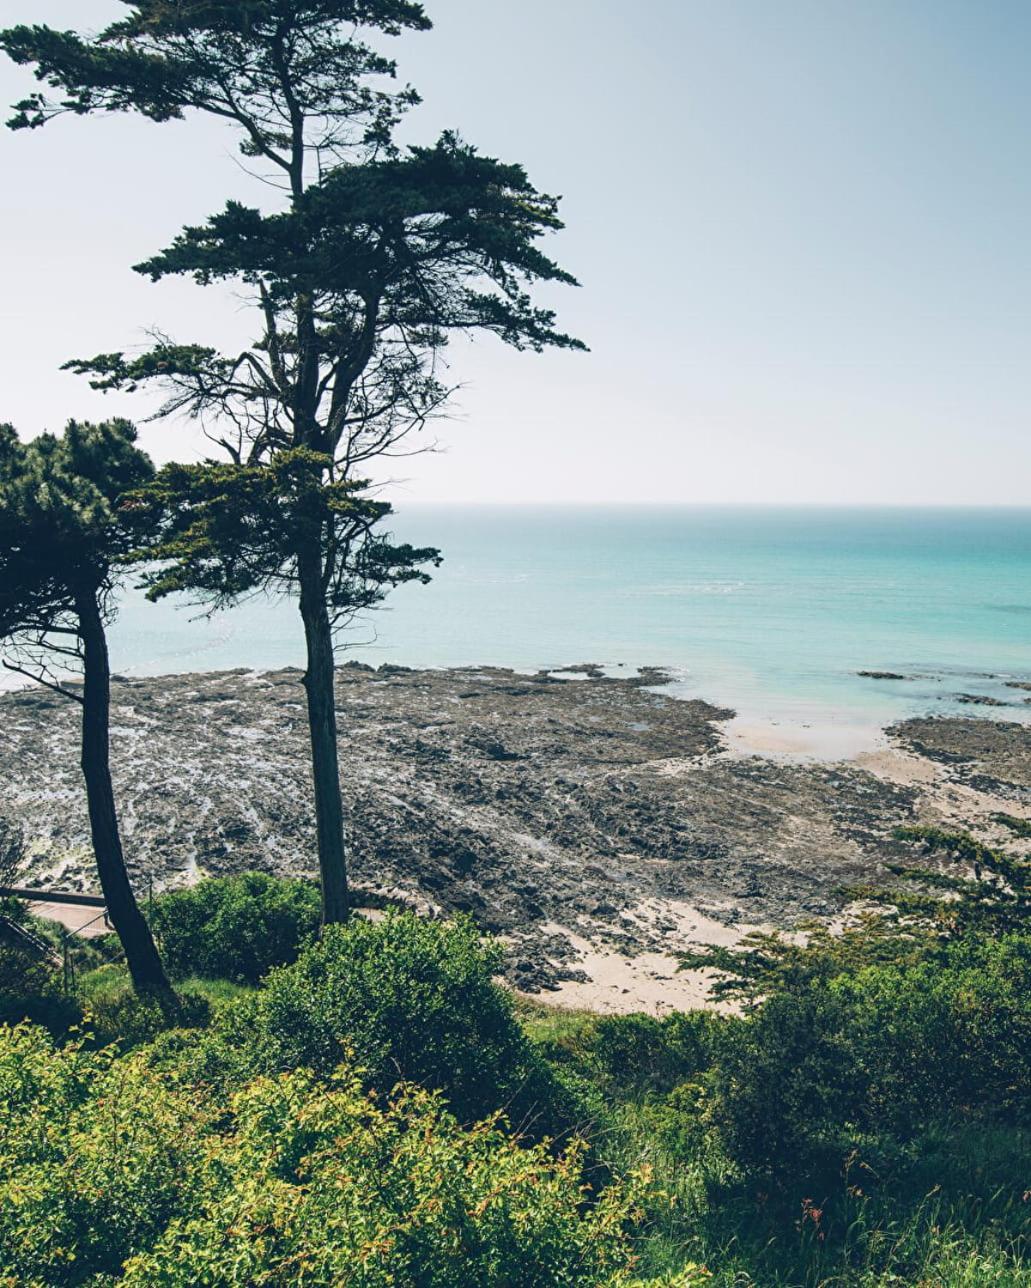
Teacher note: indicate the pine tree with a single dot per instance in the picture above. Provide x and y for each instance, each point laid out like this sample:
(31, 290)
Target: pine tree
(61, 542)
(377, 259)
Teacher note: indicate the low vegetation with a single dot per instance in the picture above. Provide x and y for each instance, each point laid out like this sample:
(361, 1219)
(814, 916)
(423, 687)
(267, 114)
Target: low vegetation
(370, 1107)
(235, 927)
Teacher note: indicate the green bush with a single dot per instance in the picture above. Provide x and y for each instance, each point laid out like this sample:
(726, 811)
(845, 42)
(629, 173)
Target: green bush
(30, 990)
(410, 1000)
(324, 1187)
(111, 1171)
(859, 1065)
(96, 1154)
(643, 1054)
(236, 927)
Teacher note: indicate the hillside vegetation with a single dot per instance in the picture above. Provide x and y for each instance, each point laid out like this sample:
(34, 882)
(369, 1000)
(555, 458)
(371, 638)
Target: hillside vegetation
(369, 1107)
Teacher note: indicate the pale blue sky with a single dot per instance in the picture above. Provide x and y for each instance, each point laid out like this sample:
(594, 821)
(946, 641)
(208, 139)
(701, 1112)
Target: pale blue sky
(803, 229)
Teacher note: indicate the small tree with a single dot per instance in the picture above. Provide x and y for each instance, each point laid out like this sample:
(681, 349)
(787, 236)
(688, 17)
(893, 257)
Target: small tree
(985, 896)
(378, 259)
(60, 546)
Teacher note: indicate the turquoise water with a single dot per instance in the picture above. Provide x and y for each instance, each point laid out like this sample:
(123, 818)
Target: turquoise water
(770, 611)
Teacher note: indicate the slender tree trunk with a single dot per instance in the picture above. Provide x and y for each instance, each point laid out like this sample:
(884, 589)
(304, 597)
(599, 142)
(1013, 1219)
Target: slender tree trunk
(322, 723)
(148, 975)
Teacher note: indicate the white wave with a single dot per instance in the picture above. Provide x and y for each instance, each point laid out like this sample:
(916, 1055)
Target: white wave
(690, 588)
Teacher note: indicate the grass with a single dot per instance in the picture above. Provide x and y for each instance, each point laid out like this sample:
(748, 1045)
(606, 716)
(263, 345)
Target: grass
(556, 1028)
(960, 1216)
(110, 983)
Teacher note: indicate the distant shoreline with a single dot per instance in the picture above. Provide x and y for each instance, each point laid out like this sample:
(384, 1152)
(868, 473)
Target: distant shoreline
(773, 612)
(794, 732)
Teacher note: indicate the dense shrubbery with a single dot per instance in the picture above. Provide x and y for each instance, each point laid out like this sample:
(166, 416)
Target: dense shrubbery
(865, 1120)
(859, 1043)
(105, 1161)
(860, 1123)
(235, 927)
(407, 999)
(862, 1064)
(95, 1157)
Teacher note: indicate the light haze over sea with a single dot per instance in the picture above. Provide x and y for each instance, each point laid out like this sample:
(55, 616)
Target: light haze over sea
(771, 611)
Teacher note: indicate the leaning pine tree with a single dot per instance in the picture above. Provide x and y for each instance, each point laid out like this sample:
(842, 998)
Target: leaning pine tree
(61, 543)
(377, 259)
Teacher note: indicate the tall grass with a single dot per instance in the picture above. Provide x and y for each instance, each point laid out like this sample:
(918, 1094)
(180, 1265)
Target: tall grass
(960, 1215)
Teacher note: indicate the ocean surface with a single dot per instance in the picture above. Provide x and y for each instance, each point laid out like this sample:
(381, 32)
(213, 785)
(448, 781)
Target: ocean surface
(771, 611)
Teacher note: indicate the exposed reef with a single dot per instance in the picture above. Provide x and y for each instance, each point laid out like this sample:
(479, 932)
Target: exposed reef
(539, 804)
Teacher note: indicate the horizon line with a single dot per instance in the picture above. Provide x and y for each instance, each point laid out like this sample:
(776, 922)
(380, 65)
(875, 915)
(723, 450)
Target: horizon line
(728, 505)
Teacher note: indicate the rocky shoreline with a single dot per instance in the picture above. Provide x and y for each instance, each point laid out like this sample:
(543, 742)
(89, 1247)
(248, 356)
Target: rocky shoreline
(571, 813)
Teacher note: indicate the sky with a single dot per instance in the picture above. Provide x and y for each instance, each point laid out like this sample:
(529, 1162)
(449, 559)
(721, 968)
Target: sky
(802, 229)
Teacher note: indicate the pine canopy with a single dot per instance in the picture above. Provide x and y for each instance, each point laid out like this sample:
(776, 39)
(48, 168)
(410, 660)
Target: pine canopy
(61, 534)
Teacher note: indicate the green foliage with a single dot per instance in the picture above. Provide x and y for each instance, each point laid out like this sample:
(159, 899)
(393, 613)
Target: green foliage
(995, 899)
(126, 1019)
(444, 236)
(326, 1187)
(107, 1162)
(30, 990)
(60, 536)
(227, 530)
(642, 1054)
(765, 963)
(990, 895)
(411, 1000)
(690, 1276)
(858, 1065)
(96, 1155)
(390, 258)
(955, 1216)
(226, 57)
(235, 928)
(1019, 826)
(863, 1125)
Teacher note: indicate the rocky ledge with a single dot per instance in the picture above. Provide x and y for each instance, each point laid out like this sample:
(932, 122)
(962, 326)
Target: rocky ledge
(559, 802)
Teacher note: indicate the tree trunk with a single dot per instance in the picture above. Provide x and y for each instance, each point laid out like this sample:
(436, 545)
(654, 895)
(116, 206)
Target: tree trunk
(148, 975)
(322, 724)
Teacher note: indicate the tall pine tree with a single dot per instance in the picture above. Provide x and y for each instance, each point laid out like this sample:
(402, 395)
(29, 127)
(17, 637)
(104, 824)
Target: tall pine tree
(377, 259)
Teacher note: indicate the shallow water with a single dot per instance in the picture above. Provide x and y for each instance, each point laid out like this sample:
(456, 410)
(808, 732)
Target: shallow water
(770, 611)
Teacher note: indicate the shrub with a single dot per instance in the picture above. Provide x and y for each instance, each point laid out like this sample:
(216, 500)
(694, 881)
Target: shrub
(235, 927)
(96, 1154)
(860, 1064)
(644, 1054)
(324, 1187)
(411, 1000)
(112, 1171)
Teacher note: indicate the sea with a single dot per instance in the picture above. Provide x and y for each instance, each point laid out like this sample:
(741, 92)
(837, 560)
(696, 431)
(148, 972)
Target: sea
(770, 611)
